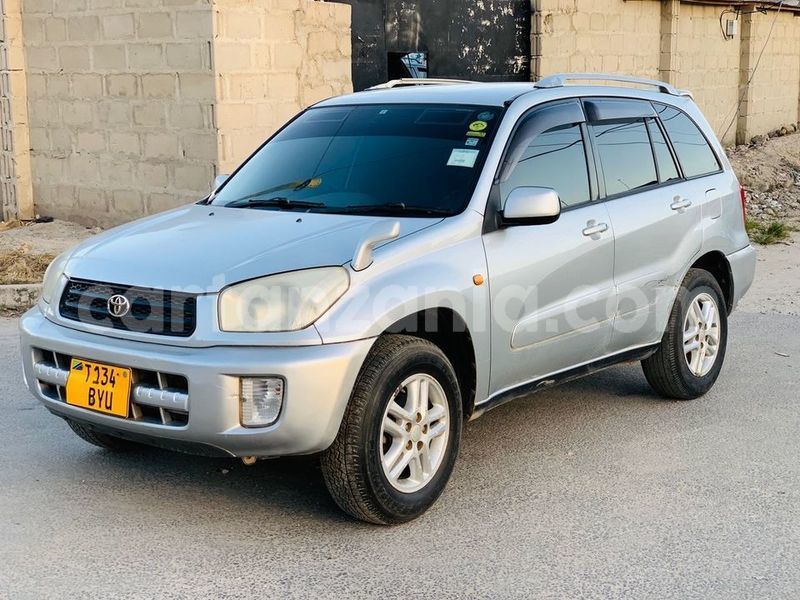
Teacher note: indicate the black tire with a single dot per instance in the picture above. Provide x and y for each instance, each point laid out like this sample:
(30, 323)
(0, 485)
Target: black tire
(352, 466)
(107, 442)
(667, 370)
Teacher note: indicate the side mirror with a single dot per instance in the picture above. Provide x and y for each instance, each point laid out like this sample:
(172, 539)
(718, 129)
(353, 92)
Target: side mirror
(531, 206)
(219, 180)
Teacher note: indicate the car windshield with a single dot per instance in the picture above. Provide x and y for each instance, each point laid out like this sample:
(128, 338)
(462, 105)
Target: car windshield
(404, 159)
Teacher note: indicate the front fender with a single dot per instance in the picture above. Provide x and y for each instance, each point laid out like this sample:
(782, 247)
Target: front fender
(429, 270)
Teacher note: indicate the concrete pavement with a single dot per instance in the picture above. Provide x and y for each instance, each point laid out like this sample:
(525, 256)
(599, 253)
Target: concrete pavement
(593, 489)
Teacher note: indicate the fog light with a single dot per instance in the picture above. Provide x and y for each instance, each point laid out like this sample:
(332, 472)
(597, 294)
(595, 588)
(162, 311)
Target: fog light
(262, 398)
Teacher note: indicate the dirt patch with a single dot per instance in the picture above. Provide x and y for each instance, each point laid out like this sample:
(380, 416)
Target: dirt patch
(42, 238)
(770, 171)
(26, 249)
(22, 266)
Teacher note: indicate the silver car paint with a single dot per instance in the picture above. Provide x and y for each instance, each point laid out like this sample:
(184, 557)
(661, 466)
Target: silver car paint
(206, 248)
(653, 243)
(203, 249)
(319, 379)
(565, 283)
(430, 265)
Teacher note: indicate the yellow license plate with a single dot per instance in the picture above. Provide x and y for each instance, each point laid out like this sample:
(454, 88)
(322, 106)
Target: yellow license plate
(99, 387)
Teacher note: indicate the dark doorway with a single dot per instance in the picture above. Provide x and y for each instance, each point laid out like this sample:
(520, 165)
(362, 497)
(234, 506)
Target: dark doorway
(459, 39)
(403, 65)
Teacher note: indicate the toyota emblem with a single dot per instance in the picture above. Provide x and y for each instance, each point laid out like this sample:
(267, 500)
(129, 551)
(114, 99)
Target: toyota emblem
(118, 305)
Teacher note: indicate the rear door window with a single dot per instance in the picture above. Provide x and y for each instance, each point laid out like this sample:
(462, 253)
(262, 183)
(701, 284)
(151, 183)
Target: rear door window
(625, 155)
(694, 153)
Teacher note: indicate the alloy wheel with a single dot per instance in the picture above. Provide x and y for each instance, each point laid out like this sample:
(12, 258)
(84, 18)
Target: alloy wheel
(414, 433)
(701, 334)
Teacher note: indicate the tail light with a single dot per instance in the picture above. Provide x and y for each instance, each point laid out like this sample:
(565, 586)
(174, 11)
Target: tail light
(743, 193)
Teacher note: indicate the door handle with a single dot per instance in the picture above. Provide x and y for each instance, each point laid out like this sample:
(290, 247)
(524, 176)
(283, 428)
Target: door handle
(679, 203)
(592, 229)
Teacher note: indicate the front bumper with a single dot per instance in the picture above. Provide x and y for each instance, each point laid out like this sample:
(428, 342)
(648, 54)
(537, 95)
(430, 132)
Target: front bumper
(319, 380)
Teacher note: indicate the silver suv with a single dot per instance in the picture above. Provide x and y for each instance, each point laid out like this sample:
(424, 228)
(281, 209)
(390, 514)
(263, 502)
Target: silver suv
(393, 263)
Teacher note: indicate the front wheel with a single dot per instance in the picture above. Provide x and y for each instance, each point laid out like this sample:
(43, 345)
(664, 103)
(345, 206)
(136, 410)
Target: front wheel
(399, 438)
(689, 359)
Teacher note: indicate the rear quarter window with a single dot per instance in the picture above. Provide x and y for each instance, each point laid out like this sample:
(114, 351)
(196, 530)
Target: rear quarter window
(667, 169)
(694, 153)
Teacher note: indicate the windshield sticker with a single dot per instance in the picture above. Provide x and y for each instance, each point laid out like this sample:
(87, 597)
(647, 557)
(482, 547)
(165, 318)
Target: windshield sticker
(471, 142)
(486, 116)
(478, 125)
(476, 134)
(462, 157)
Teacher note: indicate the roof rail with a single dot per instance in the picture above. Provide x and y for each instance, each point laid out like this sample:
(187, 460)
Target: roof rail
(561, 79)
(408, 82)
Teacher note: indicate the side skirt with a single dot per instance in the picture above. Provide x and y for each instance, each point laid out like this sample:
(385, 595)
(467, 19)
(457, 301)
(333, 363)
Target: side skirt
(548, 381)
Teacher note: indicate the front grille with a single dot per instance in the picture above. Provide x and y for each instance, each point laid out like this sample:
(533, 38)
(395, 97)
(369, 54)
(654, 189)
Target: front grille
(160, 312)
(156, 397)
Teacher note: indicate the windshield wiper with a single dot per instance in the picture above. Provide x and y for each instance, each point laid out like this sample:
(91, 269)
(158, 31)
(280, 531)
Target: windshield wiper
(393, 208)
(293, 186)
(278, 202)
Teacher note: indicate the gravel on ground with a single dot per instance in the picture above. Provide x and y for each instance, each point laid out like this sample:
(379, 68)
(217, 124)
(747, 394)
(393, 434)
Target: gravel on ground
(770, 171)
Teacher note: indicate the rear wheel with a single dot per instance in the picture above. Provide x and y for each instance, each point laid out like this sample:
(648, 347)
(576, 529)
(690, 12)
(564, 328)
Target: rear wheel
(692, 351)
(399, 438)
(108, 442)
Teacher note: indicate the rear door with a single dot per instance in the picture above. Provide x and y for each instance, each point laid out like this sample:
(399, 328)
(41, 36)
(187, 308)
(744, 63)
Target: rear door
(551, 286)
(655, 212)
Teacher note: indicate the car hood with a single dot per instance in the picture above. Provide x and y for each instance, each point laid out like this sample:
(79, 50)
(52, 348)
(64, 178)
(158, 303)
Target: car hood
(205, 248)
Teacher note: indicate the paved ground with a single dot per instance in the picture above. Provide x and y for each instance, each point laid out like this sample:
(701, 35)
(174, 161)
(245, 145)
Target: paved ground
(594, 489)
(777, 287)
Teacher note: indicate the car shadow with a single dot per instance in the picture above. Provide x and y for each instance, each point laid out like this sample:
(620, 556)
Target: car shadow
(294, 486)
(282, 485)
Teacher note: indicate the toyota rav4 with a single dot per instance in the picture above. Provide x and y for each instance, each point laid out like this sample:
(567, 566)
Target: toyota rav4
(393, 263)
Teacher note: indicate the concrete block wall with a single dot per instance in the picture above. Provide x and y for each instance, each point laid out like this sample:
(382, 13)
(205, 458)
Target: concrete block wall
(682, 42)
(135, 105)
(15, 162)
(120, 97)
(272, 58)
(774, 96)
(608, 36)
(708, 64)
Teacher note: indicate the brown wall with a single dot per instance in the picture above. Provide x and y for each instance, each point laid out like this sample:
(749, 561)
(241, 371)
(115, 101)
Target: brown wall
(134, 108)
(774, 95)
(134, 105)
(15, 161)
(271, 60)
(682, 42)
(708, 65)
(600, 36)
(120, 100)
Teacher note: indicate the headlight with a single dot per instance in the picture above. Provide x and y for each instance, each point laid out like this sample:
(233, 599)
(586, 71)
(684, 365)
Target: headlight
(284, 302)
(52, 276)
